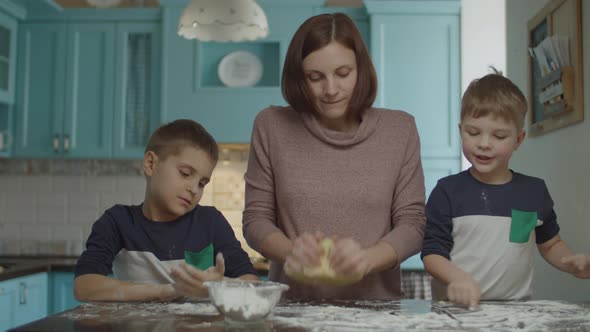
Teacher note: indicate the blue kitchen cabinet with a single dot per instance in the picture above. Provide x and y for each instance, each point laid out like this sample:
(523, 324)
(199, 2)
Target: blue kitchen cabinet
(87, 90)
(8, 303)
(23, 300)
(64, 94)
(416, 52)
(62, 292)
(32, 298)
(137, 88)
(8, 34)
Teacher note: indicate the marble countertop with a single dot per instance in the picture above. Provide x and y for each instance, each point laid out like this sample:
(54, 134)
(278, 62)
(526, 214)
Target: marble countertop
(404, 315)
(18, 266)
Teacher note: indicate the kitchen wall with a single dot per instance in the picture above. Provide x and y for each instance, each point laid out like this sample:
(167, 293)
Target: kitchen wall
(48, 206)
(481, 18)
(561, 157)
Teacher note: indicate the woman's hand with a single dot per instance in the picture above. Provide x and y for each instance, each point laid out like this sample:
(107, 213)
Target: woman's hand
(464, 292)
(189, 280)
(349, 258)
(579, 265)
(305, 252)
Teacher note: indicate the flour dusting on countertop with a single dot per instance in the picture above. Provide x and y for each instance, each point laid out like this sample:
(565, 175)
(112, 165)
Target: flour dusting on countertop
(419, 315)
(92, 310)
(492, 316)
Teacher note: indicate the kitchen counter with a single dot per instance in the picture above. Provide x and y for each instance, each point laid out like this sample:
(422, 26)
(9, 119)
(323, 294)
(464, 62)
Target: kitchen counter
(421, 315)
(19, 266)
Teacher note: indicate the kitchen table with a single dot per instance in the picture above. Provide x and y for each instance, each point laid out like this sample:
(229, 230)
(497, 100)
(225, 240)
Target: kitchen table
(404, 315)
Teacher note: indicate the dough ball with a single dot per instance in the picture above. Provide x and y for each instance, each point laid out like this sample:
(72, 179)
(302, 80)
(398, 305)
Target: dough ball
(323, 273)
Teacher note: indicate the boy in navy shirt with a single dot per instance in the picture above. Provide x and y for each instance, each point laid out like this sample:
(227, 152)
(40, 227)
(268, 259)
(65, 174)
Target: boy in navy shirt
(145, 246)
(483, 223)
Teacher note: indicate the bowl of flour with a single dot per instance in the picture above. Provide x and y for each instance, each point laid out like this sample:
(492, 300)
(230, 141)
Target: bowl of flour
(245, 301)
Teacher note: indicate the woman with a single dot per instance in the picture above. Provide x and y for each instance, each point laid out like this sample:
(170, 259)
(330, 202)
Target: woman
(331, 165)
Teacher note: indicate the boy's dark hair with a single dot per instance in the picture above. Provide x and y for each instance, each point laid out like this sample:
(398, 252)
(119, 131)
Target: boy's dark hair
(494, 94)
(314, 34)
(170, 138)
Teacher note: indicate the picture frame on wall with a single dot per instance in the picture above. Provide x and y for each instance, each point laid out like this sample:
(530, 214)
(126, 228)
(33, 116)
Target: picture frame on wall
(555, 67)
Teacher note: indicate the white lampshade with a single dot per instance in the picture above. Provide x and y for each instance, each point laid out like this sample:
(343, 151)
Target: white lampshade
(223, 20)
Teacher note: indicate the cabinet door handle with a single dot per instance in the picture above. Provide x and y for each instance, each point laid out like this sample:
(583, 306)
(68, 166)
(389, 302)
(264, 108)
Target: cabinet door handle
(23, 293)
(66, 143)
(56, 143)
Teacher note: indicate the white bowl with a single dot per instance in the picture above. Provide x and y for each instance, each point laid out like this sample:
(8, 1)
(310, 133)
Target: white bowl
(243, 301)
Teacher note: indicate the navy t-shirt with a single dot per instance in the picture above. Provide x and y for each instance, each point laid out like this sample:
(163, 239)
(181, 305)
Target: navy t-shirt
(137, 249)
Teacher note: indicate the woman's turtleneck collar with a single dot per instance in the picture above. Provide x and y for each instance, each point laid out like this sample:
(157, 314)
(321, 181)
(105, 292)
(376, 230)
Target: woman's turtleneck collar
(369, 122)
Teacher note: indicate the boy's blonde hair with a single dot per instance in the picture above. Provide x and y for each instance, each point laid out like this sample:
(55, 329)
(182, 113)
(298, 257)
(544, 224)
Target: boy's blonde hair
(494, 94)
(170, 138)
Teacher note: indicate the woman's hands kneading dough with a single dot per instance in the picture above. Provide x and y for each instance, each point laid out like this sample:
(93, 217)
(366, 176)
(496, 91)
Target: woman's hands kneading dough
(317, 260)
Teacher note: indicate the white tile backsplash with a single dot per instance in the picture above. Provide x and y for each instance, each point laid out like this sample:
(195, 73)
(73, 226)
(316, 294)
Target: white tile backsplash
(233, 217)
(83, 207)
(10, 184)
(134, 183)
(9, 231)
(36, 231)
(21, 207)
(67, 184)
(102, 184)
(107, 200)
(46, 214)
(39, 184)
(52, 208)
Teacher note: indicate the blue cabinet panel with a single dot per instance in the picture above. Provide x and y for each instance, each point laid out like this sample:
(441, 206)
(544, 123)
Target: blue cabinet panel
(23, 300)
(62, 292)
(8, 37)
(78, 94)
(89, 90)
(32, 298)
(8, 303)
(137, 87)
(40, 92)
(65, 92)
(417, 60)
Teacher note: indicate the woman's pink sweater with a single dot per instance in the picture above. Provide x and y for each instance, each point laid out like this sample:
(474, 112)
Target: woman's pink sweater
(367, 184)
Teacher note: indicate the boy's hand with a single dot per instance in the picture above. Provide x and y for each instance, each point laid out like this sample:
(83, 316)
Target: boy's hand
(348, 258)
(579, 265)
(464, 292)
(189, 280)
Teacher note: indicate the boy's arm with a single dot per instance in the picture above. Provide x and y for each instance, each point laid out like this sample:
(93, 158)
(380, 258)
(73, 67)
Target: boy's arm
(437, 246)
(96, 287)
(461, 287)
(556, 252)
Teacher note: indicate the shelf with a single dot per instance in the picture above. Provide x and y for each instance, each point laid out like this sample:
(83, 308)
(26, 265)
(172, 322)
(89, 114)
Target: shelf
(211, 53)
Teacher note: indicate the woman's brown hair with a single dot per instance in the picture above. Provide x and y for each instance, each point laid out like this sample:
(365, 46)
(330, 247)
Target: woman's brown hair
(314, 34)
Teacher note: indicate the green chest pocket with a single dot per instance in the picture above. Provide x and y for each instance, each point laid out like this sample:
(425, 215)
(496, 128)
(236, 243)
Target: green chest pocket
(202, 260)
(522, 225)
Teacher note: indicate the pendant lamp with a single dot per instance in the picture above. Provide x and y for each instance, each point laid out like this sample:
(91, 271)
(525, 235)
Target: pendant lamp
(223, 20)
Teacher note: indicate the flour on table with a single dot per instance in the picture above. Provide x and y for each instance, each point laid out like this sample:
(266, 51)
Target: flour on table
(492, 316)
(90, 310)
